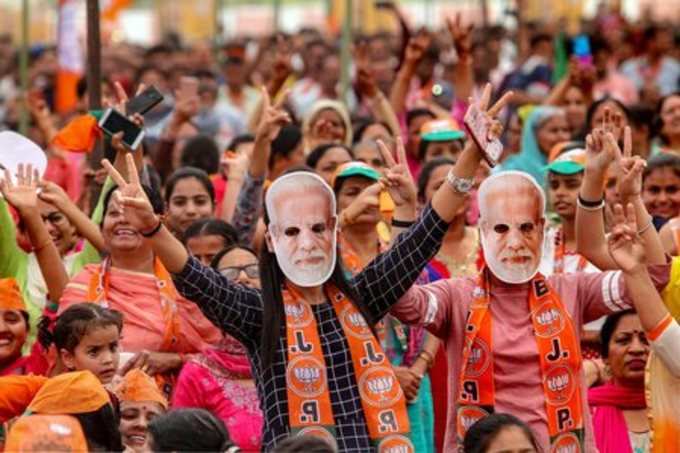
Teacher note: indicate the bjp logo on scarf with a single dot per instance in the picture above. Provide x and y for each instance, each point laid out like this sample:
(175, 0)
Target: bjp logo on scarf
(306, 376)
(560, 385)
(467, 416)
(396, 444)
(549, 321)
(300, 315)
(321, 433)
(355, 323)
(566, 443)
(379, 387)
(479, 358)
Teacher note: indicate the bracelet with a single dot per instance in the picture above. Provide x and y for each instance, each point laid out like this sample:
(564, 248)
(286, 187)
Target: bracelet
(402, 223)
(646, 227)
(429, 359)
(154, 231)
(41, 246)
(590, 205)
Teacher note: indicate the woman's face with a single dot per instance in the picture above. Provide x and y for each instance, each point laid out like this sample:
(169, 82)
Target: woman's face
(205, 247)
(117, 232)
(553, 131)
(240, 266)
(437, 178)
(575, 108)
(370, 155)
(628, 351)
(614, 109)
(376, 131)
(190, 201)
(330, 162)
(134, 422)
(514, 135)
(670, 117)
(511, 439)
(329, 127)
(450, 149)
(349, 191)
(13, 332)
(661, 193)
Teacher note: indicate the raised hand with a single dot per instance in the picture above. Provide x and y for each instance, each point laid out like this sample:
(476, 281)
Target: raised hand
(461, 36)
(397, 180)
(53, 194)
(625, 245)
(23, 193)
(273, 117)
(366, 83)
(366, 200)
(629, 180)
(415, 50)
(601, 151)
(130, 197)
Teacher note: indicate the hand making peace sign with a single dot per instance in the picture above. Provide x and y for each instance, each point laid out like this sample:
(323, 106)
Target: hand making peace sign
(131, 198)
(397, 180)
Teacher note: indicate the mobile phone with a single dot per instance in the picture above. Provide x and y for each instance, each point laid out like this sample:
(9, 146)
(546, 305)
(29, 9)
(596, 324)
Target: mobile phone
(113, 122)
(144, 101)
(581, 47)
(478, 127)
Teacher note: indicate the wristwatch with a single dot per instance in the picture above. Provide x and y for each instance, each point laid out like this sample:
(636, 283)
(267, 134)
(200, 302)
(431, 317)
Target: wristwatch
(460, 185)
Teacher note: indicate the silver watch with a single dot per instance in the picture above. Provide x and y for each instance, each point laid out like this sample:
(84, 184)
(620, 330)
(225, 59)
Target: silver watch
(460, 185)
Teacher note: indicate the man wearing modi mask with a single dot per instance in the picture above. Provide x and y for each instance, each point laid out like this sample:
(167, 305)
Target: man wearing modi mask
(511, 334)
(317, 364)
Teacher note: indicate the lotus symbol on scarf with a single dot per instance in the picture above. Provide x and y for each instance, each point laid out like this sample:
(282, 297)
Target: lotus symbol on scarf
(307, 375)
(296, 311)
(357, 320)
(381, 386)
(559, 383)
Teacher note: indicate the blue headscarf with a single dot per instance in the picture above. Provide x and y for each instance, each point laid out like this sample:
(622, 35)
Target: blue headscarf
(531, 159)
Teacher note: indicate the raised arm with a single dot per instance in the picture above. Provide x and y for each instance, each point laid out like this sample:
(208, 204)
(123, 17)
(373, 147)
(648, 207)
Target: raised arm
(627, 250)
(385, 280)
(601, 150)
(414, 53)
(24, 198)
(463, 76)
(233, 308)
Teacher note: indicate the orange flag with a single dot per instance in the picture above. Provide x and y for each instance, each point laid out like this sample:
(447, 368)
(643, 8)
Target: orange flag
(79, 135)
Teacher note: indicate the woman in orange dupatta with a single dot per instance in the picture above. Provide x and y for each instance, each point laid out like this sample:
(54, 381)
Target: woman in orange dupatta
(160, 325)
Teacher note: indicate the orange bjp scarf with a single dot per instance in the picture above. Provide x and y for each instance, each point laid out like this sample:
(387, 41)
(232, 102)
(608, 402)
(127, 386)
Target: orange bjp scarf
(309, 401)
(560, 361)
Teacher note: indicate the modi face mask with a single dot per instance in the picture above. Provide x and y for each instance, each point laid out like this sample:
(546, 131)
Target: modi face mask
(512, 221)
(302, 227)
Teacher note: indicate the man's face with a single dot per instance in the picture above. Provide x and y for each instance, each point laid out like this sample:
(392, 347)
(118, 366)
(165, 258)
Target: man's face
(303, 235)
(512, 229)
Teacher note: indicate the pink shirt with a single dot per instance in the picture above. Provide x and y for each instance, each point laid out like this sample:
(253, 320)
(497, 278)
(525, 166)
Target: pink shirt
(209, 383)
(442, 308)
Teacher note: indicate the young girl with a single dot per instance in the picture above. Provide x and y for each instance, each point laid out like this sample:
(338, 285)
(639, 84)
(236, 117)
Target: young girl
(86, 337)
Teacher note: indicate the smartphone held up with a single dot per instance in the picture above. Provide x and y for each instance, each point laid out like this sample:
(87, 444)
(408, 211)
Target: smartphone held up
(113, 122)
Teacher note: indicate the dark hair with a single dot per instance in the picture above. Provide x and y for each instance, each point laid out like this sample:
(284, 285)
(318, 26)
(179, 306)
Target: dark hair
(201, 151)
(608, 328)
(210, 227)
(152, 194)
(424, 144)
(286, 141)
(75, 322)
(240, 140)
(484, 431)
(273, 317)
(538, 38)
(415, 113)
(596, 105)
(662, 160)
(101, 429)
(317, 153)
(218, 257)
(188, 430)
(657, 122)
(186, 173)
(363, 127)
(303, 444)
(427, 171)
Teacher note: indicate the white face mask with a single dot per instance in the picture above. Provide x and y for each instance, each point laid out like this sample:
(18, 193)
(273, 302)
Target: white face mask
(302, 234)
(511, 231)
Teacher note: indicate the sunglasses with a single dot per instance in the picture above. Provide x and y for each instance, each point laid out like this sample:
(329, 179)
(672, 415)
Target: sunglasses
(232, 272)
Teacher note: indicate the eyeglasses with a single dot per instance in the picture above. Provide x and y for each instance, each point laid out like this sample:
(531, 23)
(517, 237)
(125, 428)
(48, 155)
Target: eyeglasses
(232, 272)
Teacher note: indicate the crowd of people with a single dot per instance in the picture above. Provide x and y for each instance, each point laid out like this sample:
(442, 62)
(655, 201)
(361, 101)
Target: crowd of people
(284, 266)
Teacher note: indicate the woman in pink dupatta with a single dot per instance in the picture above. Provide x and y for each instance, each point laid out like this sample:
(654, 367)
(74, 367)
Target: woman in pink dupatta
(220, 379)
(160, 326)
(618, 407)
